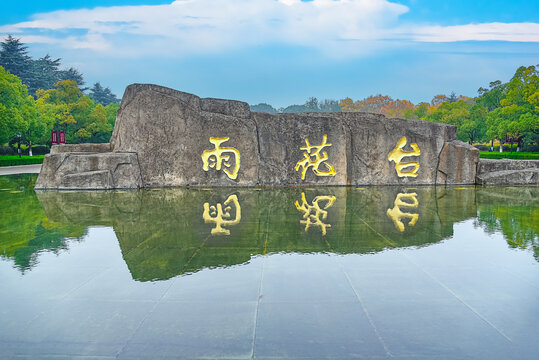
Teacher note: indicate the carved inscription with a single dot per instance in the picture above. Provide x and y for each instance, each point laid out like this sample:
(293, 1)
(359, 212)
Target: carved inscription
(220, 156)
(397, 154)
(313, 158)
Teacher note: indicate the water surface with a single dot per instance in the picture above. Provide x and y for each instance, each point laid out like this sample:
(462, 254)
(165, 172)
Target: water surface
(374, 272)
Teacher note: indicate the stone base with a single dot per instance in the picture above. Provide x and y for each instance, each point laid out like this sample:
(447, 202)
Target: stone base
(89, 170)
(508, 172)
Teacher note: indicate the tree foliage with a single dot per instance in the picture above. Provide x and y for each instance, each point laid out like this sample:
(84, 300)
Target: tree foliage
(18, 112)
(101, 95)
(36, 74)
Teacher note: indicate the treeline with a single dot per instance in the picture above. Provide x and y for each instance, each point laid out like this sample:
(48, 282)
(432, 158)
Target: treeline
(507, 112)
(37, 96)
(311, 105)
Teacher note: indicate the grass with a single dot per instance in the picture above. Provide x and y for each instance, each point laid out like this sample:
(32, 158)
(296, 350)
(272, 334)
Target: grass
(12, 160)
(509, 155)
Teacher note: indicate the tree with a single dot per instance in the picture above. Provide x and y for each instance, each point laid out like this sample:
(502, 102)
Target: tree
(15, 59)
(403, 109)
(491, 97)
(263, 107)
(42, 73)
(294, 109)
(371, 104)
(517, 117)
(45, 73)
(439, 99)
(73, 75)
(102, 95)
(17, 109)
(311, 105)
(329, 106)
(112, 110)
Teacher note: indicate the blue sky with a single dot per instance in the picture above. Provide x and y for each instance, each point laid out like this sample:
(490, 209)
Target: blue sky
(284, 51)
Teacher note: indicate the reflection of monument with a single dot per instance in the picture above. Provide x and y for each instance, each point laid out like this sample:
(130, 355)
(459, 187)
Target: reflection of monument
(219, 217)
(396, 214)
(313, 214)
(162, 233)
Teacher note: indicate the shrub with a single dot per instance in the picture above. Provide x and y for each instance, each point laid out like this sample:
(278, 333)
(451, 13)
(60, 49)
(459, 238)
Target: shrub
(6, 150)
(12, 160)
(482, 147)
(509, 155)
(40, 150)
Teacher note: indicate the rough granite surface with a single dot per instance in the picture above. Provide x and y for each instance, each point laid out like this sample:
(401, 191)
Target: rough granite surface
(508, 172)
(161, 137)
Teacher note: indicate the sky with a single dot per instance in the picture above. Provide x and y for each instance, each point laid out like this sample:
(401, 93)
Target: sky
(282, 52)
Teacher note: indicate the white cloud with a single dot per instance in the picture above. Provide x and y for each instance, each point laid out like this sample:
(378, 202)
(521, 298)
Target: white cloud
(187, 27)
(524, 32)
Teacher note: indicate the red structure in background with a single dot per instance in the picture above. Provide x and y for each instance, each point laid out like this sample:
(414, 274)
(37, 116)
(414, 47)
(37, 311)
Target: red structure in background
(54, 136)
(62, 137)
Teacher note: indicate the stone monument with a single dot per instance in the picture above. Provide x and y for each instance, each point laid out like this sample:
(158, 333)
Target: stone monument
(165, 137)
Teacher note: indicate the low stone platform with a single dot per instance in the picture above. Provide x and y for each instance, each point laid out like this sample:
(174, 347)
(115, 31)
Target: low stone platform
(165, 137)
(508, 172)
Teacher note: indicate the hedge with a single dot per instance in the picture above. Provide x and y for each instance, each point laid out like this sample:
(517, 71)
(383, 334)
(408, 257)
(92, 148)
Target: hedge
(509, 155)
(12, 160)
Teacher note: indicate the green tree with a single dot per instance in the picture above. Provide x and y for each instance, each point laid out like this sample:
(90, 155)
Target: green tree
(517, 117)
(18, 112)
(328, 105)
(263, 107)
(15, 59)
(491, 97)
(45, 73)
(468, 116)
(103, 96)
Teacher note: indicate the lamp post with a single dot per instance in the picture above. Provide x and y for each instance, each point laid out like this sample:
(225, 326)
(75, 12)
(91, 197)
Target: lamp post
(19, 143)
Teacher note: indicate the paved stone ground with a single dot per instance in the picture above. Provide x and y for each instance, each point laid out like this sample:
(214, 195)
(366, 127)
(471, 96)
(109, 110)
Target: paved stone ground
(21, 169)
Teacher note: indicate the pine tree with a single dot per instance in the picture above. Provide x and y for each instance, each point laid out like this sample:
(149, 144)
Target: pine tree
(15, 59)
(103, 96)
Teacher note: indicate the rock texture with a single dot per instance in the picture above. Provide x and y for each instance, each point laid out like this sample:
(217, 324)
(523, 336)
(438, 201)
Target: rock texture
(165, 137)
(457, 163)
(508, 172)
(89, 171)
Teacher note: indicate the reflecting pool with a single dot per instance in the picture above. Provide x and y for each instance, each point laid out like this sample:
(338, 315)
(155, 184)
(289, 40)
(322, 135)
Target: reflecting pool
(310, 273)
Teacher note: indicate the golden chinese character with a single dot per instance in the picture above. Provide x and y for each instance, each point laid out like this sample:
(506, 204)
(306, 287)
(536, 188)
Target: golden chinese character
(316, 159)
(220, 217)
(397, 154)
(313, 213)
(215, 158)
(397, 215)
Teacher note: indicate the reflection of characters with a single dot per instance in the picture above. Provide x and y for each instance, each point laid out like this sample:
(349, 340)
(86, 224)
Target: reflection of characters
(397, 154)
(397, 215)
(312, 213)
(215, 158)
(314, 159)
(216, 215)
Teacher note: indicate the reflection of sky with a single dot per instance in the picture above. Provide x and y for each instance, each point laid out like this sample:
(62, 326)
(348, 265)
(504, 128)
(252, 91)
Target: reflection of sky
(271, 51)
(467, 297)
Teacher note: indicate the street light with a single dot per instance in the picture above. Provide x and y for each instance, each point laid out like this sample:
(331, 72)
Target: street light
(19, 142)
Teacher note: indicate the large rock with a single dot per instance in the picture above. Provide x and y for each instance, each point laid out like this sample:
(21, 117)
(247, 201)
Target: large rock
(90, 171)
(457, 163)
(165, 137)
(508, 172)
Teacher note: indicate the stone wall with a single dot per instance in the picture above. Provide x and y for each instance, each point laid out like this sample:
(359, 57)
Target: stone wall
(165, 137)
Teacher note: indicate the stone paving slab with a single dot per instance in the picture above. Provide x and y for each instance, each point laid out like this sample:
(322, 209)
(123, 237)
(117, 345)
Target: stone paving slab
(20, 169)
